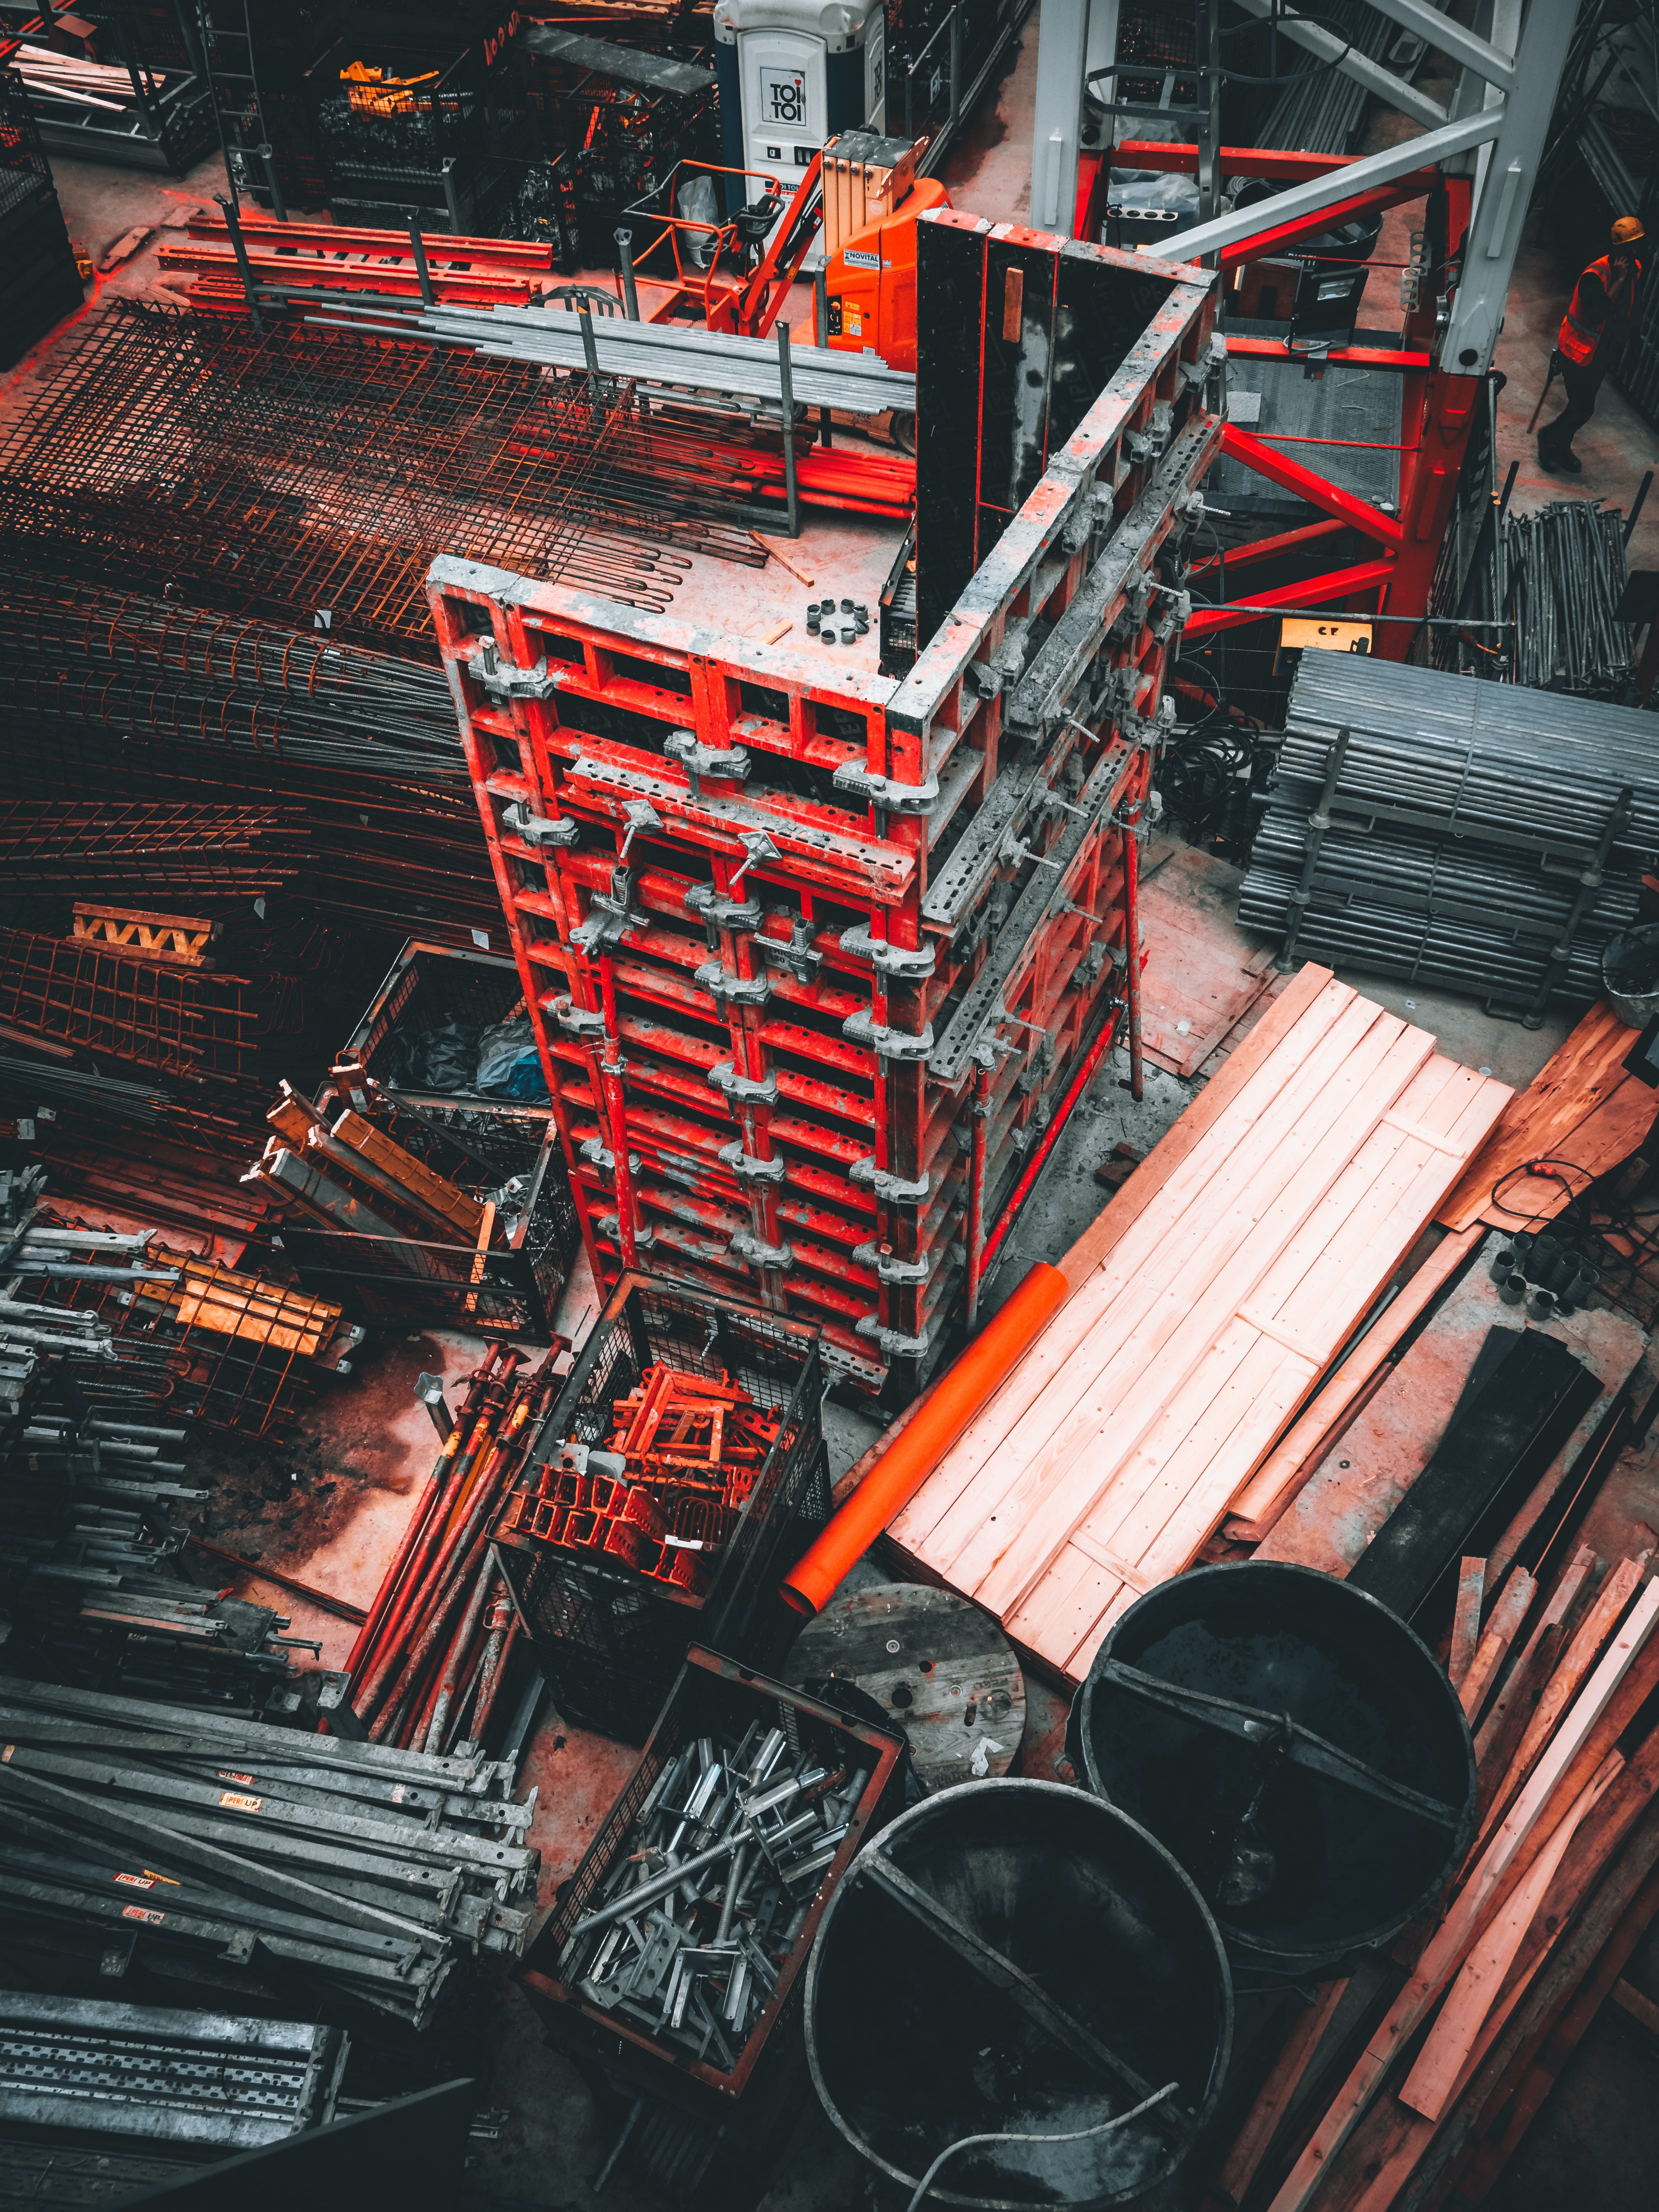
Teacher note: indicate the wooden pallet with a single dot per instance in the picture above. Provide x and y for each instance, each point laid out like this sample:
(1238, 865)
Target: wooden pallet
(1206, 1301)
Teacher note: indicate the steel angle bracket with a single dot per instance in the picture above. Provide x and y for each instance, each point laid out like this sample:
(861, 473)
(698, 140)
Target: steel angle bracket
(886, 868)
(1080, 634)
(984, 1002)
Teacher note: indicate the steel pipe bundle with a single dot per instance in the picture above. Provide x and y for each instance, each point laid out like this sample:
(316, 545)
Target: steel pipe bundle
(1566, 567)
(374, 1870)
(1430, 911)
(1478, 836)
(1472, 759)
(432, 1655)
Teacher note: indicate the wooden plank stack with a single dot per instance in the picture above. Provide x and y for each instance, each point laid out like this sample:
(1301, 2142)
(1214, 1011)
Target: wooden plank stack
(1488, 1998)
(1206, 1301)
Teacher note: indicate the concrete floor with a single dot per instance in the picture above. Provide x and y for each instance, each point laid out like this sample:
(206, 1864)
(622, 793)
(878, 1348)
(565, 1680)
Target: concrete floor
(330, 1504)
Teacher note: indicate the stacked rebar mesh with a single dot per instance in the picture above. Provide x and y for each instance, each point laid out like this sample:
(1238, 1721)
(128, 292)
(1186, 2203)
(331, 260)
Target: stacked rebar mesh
(1565, 569)
(1480, 836)
(373, 1871)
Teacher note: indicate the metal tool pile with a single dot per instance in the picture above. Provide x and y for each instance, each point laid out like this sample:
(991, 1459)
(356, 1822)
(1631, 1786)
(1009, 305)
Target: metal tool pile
(374, 1870)
(433, 1654)
(1478, 835)
(1565, 569)
(663, 1497)
(713, 1887)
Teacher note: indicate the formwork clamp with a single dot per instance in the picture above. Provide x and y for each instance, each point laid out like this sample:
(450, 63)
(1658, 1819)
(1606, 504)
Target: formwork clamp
(716, 912)
(598, 1154)
(887, 1266)
(758, 1253)
(699, 760)
(743, 1090)
(882, 790)
(502, 679)
(886, 1043)
(799, 955)
(911, 964)
(893, 1342)
(535, 828)
(739, 990)
(580, 1021)
(608, 922)
(747, 1168)
(609, 1224)
(890, 1189)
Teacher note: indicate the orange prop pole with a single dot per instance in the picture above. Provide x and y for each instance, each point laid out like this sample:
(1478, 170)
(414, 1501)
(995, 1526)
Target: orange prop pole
(913, 1454)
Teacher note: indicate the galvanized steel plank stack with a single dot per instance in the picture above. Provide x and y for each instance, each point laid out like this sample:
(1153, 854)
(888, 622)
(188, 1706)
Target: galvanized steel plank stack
(1456, 840)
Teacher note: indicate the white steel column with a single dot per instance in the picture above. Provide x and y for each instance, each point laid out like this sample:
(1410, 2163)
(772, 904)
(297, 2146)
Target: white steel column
(1062, 59)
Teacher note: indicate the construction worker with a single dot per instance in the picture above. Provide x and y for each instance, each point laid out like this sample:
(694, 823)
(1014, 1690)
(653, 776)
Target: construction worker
(1599, 317)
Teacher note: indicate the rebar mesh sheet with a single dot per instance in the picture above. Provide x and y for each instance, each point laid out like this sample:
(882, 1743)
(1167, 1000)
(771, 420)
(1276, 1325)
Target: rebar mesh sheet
(144, 845)
(310, 476)
(187, 675)
(179, 1021)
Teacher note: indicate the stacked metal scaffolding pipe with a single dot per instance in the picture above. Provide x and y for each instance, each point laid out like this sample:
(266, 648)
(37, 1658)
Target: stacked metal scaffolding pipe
(1565, 570)
(1482, 836)
(373, 1871)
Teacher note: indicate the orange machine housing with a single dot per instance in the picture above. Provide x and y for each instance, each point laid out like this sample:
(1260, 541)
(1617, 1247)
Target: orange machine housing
(870, 283)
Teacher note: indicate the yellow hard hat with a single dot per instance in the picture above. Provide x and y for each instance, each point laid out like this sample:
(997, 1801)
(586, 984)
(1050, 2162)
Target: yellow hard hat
(1628, 229)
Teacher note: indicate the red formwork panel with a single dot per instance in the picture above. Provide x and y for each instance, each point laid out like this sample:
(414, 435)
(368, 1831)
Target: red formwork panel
(816, 959)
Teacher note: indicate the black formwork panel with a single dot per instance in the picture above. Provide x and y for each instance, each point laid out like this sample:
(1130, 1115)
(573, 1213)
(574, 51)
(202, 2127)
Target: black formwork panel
(507, 1292)
(610, 1641)
(430, 985)
(989, 416)
(715, 1696)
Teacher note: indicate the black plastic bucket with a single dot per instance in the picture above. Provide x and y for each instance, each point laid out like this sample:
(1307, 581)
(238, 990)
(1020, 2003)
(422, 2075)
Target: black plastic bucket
(1311, 1843)
(917, 2039)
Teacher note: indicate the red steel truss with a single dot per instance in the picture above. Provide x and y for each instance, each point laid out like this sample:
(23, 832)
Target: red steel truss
(1438, 410)
(819, 961)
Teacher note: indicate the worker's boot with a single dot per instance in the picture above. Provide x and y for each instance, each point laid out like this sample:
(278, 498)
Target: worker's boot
(1561, 458)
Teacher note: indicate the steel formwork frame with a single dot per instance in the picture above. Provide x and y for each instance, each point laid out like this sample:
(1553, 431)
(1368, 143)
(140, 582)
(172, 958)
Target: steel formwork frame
(819, 963)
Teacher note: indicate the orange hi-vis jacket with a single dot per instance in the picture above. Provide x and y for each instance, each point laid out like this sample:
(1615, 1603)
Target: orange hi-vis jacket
(1580, 335)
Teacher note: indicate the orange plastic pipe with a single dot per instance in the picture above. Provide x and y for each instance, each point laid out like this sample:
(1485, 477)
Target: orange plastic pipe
(900, 1472)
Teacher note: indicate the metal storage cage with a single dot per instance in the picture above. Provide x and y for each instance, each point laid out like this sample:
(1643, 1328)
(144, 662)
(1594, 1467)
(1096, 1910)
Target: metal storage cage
(38, 282)
(508, 1293)
(429, 986)
(713, 1696)
(609, 1641)
(169, 122)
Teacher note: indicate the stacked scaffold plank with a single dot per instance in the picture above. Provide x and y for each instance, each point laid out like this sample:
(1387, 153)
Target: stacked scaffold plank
(1490, 1997)
(817, 961)
(1206, 1303)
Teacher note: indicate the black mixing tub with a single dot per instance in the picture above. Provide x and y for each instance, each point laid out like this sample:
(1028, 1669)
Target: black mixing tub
(1011, 1960)
(1297, 1748)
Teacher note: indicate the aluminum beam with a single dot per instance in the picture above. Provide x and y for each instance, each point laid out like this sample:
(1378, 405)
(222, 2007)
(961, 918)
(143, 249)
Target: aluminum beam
(1451, 39)
(1343, 184)
(1062, 62)
(1477, 310)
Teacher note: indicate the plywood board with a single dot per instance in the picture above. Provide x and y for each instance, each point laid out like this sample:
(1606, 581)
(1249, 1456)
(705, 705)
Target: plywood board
(1581, 1109)
(1205, 1305)
(1202, 976)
